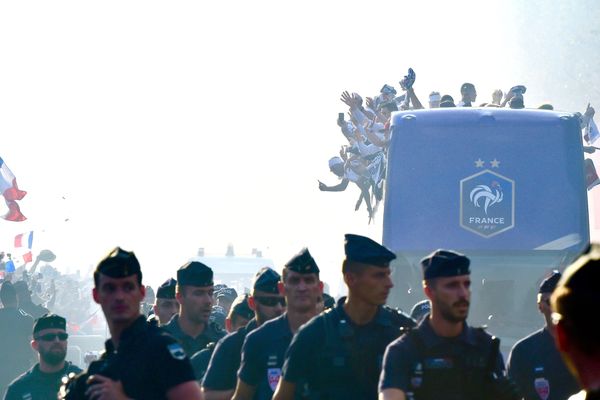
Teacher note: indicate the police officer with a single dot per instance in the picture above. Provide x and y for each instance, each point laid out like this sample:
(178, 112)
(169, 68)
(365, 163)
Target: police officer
(141, 360)
(338, 354)
(444, 357)
(575, 303)
(264, 348)
(43, 381)
(535, 363)
(239, 315)
(165, 305)
(267, 303)
(16, 325)
(194, 292)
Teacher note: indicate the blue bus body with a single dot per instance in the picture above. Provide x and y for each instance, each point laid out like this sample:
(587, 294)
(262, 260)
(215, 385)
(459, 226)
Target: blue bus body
(506, 187)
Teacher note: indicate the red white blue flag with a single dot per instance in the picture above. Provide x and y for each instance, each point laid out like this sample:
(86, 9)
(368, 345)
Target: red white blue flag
(11, 192)
(24, 240)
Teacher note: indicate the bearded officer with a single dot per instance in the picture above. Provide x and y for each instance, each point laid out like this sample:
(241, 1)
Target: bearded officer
(444, 357)
(43, 380)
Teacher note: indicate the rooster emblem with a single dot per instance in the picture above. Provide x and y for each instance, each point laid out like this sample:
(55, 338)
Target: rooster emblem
(491, 195)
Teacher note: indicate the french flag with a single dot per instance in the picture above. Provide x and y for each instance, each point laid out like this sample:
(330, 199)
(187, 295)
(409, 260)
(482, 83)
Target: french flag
(11, 192)
(24, 240)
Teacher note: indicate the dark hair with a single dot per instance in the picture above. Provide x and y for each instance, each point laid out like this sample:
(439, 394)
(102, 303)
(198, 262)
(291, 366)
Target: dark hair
(447, 104)
(447, 97)
(516, 103)
(349, 266)
(576, 294)
(546, 106)
(466, 86)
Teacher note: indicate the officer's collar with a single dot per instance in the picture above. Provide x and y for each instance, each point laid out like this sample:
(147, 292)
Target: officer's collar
(128, 334)
(210, 330)
(381, 318)
(431, 338)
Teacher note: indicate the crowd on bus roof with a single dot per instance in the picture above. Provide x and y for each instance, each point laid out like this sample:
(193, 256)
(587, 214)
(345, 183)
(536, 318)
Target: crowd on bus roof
(362, 158)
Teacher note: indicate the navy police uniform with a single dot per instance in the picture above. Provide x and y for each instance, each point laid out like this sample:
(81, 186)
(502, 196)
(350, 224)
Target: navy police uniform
(535, 364)
(201, 359)
(339, 359)
(191, 345)
(336, 358)
(427, 366)
(194, 274)
(225, 362)
(263, 352)
(35, 384)
(149, 362)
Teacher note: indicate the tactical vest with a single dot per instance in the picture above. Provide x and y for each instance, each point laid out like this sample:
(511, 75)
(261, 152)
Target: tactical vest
(347, 369)
(453, 371)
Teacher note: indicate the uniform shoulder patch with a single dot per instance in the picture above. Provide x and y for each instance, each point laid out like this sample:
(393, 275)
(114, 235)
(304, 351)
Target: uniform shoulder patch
(176, 351)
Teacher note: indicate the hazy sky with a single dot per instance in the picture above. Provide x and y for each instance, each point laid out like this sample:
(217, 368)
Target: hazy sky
(168, 126)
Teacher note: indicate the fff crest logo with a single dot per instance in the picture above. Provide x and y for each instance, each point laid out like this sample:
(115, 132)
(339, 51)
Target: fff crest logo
(487, 201)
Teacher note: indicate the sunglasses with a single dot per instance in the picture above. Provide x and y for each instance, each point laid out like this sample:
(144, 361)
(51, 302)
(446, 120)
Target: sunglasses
(49, 337)
(270, 301)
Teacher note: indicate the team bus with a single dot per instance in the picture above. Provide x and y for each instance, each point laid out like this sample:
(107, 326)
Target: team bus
(505, 187)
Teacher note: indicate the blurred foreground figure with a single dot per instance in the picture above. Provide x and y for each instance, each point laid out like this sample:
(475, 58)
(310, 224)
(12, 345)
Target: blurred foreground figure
(141, 361)
(575, 303)
(535, 363)
(43, 380)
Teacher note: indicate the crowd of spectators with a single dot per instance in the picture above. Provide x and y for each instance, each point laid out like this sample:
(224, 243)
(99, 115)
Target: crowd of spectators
(362, 158)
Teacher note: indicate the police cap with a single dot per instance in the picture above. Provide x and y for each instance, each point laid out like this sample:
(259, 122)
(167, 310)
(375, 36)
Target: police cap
(119, 263)
(167, 289)
(445, 263)
(266, 280)
(303, 263)
(195, 273)
(367, 251)
(549, 284)
(240, 307)
(49, 321)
